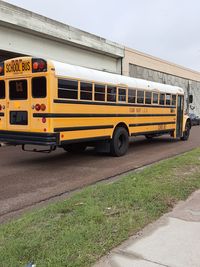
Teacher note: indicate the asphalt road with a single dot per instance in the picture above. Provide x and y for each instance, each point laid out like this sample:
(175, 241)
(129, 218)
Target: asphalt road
(29, 178)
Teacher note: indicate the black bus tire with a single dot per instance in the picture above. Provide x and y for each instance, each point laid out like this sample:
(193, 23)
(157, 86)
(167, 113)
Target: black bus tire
(120, 142)
(186, 133)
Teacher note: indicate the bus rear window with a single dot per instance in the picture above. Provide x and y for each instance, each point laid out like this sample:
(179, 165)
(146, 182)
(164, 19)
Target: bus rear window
(39, 87)
(2, 90)
(18, 90)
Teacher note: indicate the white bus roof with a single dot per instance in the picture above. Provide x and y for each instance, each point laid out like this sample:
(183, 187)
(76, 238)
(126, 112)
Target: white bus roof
(86, 74)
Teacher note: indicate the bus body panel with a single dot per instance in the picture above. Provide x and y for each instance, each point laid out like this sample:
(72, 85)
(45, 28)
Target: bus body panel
(66, 120)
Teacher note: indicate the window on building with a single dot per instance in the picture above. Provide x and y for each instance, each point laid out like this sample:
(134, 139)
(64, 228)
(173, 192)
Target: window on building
(173, 100)
(67, 89)
(2, 90)
(162, 99)
(155, 98)
(168, 99)
(86, 91)
(111, 93)
(121, 95)
(99, 92)
(131, 95)
(39, 89)
(140, 97)
(148, 97)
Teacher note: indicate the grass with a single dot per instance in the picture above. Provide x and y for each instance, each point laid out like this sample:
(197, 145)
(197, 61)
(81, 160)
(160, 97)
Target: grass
(78, 231)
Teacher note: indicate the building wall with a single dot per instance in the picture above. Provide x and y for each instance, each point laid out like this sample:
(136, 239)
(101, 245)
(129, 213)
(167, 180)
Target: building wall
(146, 67)
(29, 44)
(28, 33)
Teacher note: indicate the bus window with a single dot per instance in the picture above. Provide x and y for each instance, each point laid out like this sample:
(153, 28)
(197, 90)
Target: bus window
(39, 88)
(111, 94)
(121, 95)
(162, 99)
(67, 89)
(2, 90)
(18, 90)
(131, 95)
(86, 91)
(173, 100)
(99, 94)
(155, 98)
(148, 97)
(140, 97)
(168, 99)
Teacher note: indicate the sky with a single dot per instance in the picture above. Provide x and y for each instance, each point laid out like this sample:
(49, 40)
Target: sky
(168, 29)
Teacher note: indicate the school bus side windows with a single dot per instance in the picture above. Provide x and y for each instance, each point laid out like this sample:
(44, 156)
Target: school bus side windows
(2, 90)
(155, 98)
(162, 99)
(121, 95)
(67, 89)
(131, 95)
(140, 97)
(86, 91)
(173, 100)
(111, 93)
(148, 97)
(99, 92)
(168, 99)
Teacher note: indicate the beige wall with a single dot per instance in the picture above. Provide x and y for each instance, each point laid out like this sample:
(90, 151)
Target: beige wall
(137, 58)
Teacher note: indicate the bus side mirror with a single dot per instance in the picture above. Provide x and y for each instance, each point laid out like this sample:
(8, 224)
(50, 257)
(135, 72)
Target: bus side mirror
(190, 99)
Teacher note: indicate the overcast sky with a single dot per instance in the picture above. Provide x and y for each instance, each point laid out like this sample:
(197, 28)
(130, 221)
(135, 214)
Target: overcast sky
(169, 29)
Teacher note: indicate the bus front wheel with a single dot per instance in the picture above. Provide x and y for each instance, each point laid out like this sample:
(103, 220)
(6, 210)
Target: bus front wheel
(74, 148)
(120, 142)
(186, 133)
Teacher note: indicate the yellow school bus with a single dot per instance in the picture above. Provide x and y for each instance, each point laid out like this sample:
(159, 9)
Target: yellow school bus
(53, 104)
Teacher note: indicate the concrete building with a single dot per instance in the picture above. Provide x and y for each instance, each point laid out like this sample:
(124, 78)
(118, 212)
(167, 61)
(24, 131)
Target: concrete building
(25, 33)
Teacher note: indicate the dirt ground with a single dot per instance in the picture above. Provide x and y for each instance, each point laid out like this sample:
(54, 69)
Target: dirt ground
(27, 179)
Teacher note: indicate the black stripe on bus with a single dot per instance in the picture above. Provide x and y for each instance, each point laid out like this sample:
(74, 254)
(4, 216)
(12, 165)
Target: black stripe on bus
(1, 114)
(151, 123)
(87, 115)
(82, 128)
(63, 101)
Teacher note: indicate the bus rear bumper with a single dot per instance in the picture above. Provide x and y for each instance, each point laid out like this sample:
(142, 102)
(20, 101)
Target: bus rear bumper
(27, 138)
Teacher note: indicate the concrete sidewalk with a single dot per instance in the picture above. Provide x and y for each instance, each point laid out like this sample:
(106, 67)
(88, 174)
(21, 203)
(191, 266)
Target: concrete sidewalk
(172, 241)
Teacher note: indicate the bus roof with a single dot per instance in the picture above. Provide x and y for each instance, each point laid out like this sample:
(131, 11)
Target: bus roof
(77, 72)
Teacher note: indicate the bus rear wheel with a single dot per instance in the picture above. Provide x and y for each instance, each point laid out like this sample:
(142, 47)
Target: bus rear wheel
(120, 142)
(74, 148)
(186, 133)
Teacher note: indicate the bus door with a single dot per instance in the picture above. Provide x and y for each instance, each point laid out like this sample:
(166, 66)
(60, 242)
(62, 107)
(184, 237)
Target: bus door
(18, 104)
(179, 117)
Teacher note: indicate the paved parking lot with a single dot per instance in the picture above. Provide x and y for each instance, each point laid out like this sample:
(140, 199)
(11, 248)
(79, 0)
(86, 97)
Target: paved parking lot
(30, 178)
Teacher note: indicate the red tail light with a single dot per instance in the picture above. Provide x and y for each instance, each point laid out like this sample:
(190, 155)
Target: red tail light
(39, 65)
(44, 120)
(1, 68)
(35, 66)
(0, 107)
(37, 107)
